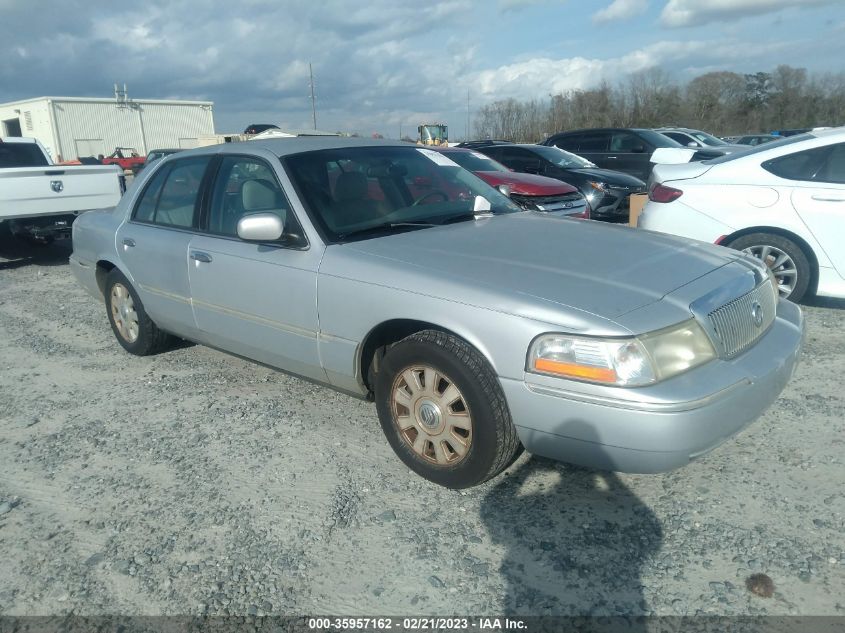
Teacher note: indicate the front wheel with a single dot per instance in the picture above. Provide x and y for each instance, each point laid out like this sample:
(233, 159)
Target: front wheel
(443, 412)
(786, 260)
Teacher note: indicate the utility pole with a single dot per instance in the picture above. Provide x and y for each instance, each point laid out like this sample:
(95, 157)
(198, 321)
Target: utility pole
(400, 130)
(313, 100)
(467, 133)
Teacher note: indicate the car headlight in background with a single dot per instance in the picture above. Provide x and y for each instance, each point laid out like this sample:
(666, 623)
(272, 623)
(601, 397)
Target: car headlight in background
(598, 186)
(623, 362)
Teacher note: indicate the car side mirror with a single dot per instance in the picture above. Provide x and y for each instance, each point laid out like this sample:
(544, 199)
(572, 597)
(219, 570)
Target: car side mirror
(638, 149)
(260, 227)
(692, 144)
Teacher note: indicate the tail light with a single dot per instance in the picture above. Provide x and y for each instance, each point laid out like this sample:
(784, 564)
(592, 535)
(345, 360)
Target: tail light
(662, 193)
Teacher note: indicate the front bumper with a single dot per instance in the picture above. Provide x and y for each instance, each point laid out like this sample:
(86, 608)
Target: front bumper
(647, 436)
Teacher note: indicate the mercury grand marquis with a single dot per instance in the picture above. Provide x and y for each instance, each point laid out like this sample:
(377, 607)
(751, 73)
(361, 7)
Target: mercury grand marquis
(386, 271)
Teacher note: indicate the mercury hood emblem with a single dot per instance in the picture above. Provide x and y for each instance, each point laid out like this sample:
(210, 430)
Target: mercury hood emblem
(757, 314)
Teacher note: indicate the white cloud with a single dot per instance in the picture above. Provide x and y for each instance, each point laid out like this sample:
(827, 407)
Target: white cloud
(540, 77)
(620, 10)
(518, 5)
(679, 13)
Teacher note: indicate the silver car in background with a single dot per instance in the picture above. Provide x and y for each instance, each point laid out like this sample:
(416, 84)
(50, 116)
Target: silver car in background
(386, 271)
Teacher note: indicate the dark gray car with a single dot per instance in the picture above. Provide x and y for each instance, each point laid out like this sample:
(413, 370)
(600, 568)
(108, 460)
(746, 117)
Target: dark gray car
(387, 271)
(627, 150)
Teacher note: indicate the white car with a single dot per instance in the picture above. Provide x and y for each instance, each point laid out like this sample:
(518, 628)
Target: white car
(783, 202)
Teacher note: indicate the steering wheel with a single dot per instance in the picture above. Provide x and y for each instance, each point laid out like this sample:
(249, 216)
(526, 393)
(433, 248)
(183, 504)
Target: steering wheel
(442, 194)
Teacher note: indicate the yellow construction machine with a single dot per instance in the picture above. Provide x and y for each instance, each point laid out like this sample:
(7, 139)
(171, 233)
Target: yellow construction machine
(433, 134)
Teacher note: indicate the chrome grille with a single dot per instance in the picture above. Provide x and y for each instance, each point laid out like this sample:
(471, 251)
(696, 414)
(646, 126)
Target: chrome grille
(558, 202)
(735, 324)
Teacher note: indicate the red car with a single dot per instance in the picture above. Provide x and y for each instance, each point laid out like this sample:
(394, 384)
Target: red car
(533, 193)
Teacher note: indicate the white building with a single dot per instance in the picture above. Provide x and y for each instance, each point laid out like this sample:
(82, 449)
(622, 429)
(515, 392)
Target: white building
(70, 127)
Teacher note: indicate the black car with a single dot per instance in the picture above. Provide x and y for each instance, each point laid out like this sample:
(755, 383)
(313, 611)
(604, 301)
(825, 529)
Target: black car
(623, 149)
(258, 128)
(606, 190)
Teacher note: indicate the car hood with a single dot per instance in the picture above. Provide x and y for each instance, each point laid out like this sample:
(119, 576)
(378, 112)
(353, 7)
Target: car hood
(609, 176)
(534, 265)
(525, 184)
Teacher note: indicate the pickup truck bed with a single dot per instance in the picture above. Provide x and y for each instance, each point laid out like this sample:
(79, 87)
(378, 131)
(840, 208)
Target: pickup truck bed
(41, 200)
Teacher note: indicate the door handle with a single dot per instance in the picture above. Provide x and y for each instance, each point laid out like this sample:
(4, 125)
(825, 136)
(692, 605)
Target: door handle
(829, 198)
(201, 257)
(612, 157)
(128, 242)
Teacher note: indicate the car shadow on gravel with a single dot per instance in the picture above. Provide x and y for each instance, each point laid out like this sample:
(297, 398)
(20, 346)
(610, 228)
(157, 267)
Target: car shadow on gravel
(16, 252)
(576, 541)
(825, 302)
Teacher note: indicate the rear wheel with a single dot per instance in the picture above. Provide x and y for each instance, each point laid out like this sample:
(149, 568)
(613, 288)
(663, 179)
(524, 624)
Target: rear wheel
(443, 412)
(786, 260)
(132, 327)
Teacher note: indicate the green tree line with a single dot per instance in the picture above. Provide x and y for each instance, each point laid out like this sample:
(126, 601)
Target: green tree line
(723, 103)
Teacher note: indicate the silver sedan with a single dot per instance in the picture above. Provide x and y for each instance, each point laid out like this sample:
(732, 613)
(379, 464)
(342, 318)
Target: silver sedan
(386, 271)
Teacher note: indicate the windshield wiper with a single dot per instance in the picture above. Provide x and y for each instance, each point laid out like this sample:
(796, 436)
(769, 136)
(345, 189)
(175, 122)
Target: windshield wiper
(383, 228)
(467, 215)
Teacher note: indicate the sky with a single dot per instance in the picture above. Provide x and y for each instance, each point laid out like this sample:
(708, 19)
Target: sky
(385, 65)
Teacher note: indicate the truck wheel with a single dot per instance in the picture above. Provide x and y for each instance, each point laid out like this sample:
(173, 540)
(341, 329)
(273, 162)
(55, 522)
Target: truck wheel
(785, 259)
(134, 330)
(443, 411)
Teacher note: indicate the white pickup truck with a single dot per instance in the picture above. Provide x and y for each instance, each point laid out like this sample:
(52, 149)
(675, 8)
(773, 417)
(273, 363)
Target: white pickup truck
(40, 200)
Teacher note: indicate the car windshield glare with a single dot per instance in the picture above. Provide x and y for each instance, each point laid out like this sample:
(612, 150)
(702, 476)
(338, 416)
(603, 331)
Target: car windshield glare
(562, 158)
(354, 189)
(474, 161)
(708, 139)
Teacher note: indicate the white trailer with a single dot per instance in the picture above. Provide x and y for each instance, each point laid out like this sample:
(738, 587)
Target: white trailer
(74, 127)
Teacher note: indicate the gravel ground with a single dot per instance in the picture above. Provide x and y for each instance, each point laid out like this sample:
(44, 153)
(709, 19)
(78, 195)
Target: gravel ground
(193, 482)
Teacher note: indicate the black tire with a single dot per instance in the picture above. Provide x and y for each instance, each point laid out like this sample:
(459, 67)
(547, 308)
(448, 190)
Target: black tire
(802, 264)
(494, 443)
(150, 339)
(46, 240)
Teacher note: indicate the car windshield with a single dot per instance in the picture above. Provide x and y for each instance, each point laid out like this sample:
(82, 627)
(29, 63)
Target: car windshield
(707, 139)
(474, 161)
(764, 147)
(561, 157)
(364, 190)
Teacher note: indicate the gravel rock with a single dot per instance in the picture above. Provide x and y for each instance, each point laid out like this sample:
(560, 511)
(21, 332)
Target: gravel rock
(191, 482)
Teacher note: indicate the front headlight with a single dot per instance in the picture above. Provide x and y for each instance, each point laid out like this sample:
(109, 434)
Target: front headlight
(627, 362)
(598, 186)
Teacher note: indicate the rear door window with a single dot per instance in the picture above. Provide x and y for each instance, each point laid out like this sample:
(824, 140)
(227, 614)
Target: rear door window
(626, 142)
(173, 200)
(594, 142)
(798, 166)
(833, 169)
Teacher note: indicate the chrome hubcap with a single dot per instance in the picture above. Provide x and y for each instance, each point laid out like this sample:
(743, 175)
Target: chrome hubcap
(123, 313)
(781, 265)
(432, 415)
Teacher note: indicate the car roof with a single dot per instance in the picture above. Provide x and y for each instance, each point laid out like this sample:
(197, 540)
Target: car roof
(297, 145)
(603, 129)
